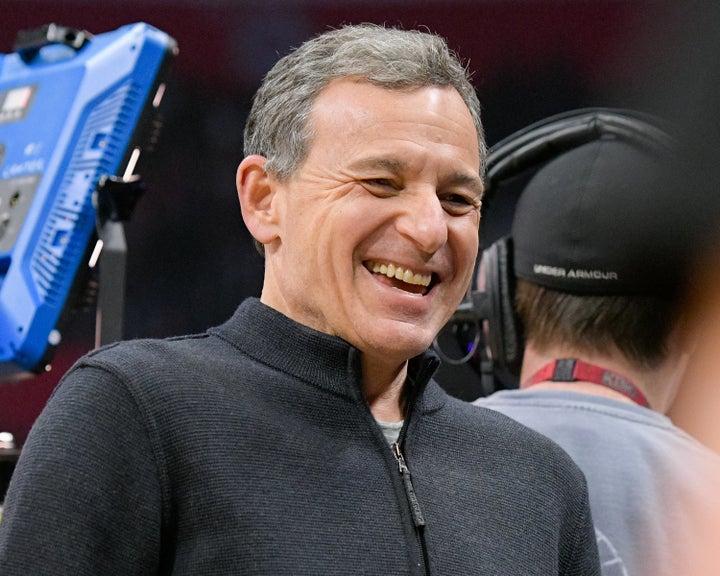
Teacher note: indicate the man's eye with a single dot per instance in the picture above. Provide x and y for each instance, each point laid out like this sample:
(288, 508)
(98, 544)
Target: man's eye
(460, 203)
(381, 186)
(380, 182)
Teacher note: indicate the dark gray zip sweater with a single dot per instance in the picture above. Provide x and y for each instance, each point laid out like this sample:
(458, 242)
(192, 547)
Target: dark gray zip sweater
(250, 450)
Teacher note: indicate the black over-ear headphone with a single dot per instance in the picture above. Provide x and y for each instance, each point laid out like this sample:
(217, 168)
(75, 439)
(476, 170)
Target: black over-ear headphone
(499, 341)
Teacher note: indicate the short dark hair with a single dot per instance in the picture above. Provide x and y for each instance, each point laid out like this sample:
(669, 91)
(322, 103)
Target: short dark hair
(638, 326)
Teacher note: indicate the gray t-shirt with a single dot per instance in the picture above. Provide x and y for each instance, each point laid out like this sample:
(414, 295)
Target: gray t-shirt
(391, 430)
(643, 474)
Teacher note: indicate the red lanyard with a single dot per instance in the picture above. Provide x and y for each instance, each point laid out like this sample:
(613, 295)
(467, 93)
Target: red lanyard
(571, 370)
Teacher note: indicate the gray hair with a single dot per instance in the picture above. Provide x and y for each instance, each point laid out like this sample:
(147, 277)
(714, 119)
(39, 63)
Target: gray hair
(278, 126)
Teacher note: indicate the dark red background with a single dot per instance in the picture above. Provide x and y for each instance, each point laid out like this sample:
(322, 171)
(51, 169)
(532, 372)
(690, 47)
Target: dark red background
(190, 259)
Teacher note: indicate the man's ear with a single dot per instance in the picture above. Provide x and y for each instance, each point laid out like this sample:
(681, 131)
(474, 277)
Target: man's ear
(256, 192)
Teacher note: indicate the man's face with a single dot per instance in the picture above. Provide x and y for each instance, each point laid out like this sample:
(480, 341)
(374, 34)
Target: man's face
(378, 229)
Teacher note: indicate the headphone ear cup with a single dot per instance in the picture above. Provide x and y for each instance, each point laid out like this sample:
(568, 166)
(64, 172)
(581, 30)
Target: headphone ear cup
(502, 332)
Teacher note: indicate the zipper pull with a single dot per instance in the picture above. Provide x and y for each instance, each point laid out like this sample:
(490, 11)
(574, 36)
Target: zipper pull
(418, 518)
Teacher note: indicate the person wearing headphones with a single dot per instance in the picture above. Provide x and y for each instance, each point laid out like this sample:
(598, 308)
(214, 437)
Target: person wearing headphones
(597, 254)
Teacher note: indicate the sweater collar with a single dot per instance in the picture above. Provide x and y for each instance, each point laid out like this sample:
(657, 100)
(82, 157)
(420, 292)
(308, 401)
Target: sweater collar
(320, 359)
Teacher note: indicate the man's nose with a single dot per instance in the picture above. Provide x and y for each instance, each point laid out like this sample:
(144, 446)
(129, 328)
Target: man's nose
(424, 221)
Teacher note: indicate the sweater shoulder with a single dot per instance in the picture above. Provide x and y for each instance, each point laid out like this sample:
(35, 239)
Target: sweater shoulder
(156, 356)
(484, 427)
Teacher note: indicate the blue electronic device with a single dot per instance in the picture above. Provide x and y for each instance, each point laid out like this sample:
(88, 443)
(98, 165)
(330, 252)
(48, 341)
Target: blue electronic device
(76, 109)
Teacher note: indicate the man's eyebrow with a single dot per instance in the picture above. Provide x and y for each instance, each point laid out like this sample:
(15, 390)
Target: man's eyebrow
(396, 166)
(465, 180)
(388, 164)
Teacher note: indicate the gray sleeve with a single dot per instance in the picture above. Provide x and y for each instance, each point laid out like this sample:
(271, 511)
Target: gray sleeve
(582, 557)
(86, 495)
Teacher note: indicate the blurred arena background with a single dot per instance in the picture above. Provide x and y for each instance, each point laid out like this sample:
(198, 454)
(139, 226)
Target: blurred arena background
(190, 259)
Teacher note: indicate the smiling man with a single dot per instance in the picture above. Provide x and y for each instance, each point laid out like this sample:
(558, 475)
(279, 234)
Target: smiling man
(374, 237)
(306, 435)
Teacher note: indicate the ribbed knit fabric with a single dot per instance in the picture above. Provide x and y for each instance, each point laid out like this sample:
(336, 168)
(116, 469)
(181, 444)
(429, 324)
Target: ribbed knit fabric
(250, 450)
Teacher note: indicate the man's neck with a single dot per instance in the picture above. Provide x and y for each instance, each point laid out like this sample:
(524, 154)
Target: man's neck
(383, 387)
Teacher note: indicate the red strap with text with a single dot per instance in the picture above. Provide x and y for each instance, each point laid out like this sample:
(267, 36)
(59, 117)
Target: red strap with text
(572, 370)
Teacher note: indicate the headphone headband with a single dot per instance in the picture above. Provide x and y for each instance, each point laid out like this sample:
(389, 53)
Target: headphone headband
(552, 136)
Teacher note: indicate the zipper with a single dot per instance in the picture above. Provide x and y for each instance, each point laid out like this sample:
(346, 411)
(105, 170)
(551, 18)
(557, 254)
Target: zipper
(415, 510)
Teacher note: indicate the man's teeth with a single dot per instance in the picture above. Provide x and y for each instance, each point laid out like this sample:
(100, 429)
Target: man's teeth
(400, 273)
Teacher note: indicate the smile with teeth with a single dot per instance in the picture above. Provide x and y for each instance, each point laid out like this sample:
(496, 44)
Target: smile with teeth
(400, 273)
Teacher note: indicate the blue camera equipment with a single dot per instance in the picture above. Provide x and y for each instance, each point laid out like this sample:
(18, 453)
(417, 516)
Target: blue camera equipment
(78, 113)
